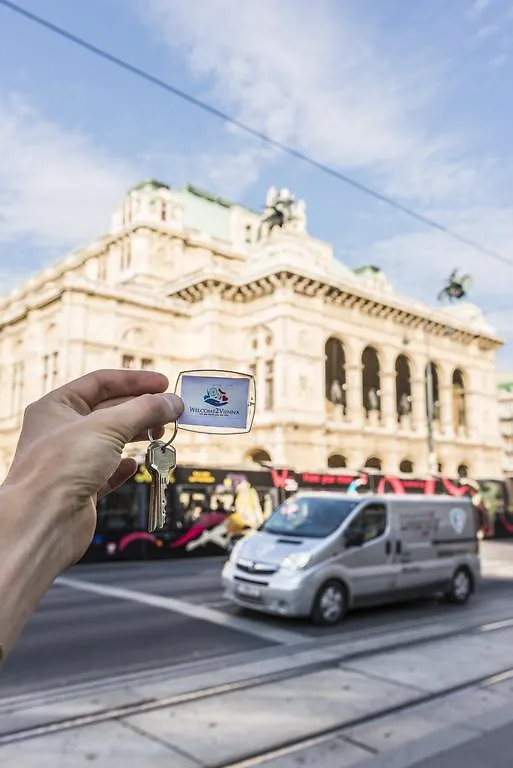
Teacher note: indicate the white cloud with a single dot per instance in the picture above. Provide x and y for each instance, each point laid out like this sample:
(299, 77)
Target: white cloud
(420, 262)
(312, 76)
(326, 81)
(56, 188)
(478, 8)
(321, 79)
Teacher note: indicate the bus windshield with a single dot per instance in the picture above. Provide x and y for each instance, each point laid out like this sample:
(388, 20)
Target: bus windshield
(310, 516)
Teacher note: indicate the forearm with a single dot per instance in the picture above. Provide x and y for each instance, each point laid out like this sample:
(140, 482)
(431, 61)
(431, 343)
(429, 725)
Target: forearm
(29, 561)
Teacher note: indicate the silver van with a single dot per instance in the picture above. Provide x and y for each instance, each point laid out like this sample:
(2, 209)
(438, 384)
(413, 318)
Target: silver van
(321, 553)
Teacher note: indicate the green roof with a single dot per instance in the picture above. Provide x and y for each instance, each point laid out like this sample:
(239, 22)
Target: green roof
(366, 268)
(192, 190)
(149, 183)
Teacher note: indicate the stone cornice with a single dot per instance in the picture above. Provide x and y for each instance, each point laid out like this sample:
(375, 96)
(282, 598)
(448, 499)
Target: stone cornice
(72, 283)
(249, 287)
(100, 246)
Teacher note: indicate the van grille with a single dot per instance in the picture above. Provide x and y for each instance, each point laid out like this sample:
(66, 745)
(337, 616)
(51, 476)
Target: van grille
(260, 569)
(252, 581)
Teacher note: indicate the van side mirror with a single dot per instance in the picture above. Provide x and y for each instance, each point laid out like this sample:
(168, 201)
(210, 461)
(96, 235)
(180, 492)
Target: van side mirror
(354, 537)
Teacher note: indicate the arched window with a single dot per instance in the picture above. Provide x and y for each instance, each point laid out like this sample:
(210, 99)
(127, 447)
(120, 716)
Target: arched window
(371, 381)
(440, 468)
(335, 372)
(432, 392)
(259, 456)
(406, 467)
(262, 364)
(337, 461)
(373, 462)
(463, 470)
(459, 406)
(402, 386)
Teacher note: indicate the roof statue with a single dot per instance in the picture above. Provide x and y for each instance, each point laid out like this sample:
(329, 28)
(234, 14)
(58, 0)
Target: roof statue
(456, 287)
(283, 212)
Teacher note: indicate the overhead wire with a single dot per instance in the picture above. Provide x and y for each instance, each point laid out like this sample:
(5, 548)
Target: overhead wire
(257, 134)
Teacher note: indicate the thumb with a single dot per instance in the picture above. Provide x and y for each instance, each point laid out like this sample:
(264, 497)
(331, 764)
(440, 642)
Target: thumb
(136, 416)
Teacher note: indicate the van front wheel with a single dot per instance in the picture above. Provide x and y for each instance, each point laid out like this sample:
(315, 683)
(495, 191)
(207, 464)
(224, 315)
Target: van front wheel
(461, 587)
(330, 604)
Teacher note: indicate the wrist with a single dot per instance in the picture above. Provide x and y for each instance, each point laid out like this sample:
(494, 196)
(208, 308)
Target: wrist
(31, 559)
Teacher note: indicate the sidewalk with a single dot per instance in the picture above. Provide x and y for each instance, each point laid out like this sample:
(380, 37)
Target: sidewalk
(493, 750)
(222, 729)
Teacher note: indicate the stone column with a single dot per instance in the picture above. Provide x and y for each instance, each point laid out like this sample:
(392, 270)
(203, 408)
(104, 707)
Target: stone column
(355, 413)
(388, 401)
(419, 414)
(446, 404)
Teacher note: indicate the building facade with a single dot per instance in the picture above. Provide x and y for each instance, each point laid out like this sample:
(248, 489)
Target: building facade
(505, 397)
(186, 280)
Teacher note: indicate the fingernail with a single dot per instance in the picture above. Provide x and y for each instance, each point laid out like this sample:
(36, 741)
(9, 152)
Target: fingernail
(175, 405)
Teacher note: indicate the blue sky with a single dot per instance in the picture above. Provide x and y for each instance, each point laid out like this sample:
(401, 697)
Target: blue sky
(410, 98)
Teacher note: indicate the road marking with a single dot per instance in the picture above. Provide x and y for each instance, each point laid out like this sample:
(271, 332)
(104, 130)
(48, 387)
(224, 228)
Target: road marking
(200, 612)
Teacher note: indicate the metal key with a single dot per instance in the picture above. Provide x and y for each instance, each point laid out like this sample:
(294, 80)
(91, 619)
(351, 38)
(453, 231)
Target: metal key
(160, 460)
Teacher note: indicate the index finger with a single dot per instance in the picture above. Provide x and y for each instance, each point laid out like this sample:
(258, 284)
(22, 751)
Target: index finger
(88, 392)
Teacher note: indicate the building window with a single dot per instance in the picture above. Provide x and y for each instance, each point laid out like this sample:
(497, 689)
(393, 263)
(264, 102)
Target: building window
(402, 386)
(459, 407)
(337, 461)
(335, 373)
(269, 385)
(127, 212)
(147, 364)
(102, 267)
(163, 210)
(128, 361)
(371, 381)
(248, 234)
(432, 392)
(126, 254)
(373, 462)
(50, 372)
(55, 369)
(17, 388)
(406, 467)
(463, 471)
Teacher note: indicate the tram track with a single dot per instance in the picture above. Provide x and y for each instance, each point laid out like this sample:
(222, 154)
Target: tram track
(144, 706)
(484, 617)
(289, 746)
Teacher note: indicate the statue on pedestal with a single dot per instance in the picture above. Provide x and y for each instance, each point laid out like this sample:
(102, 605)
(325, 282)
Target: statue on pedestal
(456, 288)
(281, 211)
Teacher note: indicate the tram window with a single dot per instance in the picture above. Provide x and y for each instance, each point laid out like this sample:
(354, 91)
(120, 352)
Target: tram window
(493, 496)
(222, 502)
(123, 509)
(194, 502)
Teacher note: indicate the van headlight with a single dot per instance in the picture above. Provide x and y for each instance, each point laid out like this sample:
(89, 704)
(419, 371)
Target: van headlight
(296, 561)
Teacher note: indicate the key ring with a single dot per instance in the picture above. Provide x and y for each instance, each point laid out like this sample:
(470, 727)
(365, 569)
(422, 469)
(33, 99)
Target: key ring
(165, 445)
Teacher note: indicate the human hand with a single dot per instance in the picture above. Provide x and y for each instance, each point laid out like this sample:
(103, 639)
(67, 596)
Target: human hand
(69, 451)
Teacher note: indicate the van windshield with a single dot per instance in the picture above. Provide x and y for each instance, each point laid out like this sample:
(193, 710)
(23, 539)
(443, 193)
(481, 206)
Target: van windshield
(309, 516)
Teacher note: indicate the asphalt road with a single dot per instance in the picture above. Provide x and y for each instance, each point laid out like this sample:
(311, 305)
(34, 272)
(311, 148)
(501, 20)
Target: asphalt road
(76, 636)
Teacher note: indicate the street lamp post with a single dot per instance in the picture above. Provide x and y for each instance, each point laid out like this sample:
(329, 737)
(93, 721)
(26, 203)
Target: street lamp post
(430, 400)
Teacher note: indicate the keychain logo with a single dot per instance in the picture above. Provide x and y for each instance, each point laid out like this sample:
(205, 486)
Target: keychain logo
(216, 396)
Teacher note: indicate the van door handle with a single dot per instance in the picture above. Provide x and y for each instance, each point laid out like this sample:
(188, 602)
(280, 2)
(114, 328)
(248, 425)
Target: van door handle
(388, 548)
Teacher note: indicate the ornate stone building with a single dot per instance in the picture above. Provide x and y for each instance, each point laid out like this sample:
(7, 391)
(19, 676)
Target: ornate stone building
(184, 279)
(505, 396)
